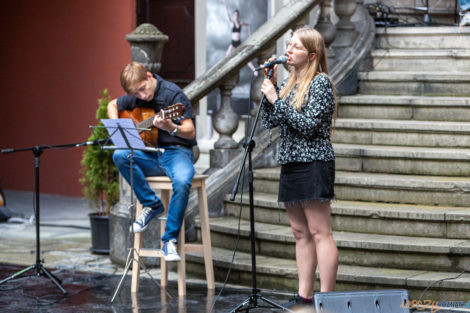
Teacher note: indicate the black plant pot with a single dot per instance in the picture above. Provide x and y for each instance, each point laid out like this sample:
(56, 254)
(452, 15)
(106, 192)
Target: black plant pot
(99, 233)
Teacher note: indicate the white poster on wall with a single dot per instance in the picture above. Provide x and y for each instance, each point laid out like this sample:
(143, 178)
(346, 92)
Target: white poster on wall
(229, 23)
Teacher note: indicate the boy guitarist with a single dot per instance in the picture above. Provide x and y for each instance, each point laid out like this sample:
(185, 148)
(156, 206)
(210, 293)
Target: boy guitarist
(147, 90)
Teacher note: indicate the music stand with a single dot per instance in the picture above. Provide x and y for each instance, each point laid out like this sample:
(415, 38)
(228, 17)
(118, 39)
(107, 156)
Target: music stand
(38, 266)
(124, 135)
(252, 301)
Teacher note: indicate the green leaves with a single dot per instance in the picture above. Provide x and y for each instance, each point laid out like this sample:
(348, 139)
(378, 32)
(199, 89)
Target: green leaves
(99, 175)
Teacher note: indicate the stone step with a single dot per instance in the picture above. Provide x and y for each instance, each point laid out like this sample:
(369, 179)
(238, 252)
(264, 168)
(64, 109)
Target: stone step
(451, 37)
(354, 248)
(413, 189)
(405, 107)
(402, 132)
(281, 274)
(417, 83)
(368, 217)
(403, 160)
(390, 188)
(453, 60)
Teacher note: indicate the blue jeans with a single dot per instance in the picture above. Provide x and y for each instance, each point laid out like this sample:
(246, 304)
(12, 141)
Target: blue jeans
(176, 163)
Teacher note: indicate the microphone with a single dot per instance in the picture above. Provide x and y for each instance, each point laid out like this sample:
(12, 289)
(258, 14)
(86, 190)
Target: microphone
(280, 60)
(97, 142)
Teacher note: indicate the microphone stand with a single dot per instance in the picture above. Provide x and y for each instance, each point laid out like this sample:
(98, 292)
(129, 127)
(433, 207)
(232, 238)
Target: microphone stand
(252, 302)
(38, 267)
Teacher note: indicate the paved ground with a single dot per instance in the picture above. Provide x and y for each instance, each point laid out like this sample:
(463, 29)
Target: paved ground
(91, 279)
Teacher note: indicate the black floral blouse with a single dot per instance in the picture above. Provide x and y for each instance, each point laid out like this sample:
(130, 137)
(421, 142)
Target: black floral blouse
(305, 135)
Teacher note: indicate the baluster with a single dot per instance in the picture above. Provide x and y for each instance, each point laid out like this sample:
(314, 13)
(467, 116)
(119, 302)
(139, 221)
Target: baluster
(360, 14)
(225, 121)
(345, 29)
(328, 31)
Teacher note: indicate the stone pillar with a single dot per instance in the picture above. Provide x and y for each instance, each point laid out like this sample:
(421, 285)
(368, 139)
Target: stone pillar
(345, 29)
(147, 46)
(225, 122)
(360, 14)
(328, 31)
(226, 119)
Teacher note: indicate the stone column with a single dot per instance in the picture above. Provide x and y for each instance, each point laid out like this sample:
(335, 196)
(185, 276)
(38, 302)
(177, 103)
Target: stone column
(345, 29)
(360, 14)
(147, 46)
(328, 31)
(225, 122)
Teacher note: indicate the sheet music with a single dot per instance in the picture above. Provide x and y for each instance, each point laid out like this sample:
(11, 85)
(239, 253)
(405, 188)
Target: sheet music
(129, 131)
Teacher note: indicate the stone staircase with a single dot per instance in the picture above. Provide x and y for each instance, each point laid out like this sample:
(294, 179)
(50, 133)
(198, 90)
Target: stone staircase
(402, 144)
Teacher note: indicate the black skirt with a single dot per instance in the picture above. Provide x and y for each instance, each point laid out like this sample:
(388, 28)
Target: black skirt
(307, 181)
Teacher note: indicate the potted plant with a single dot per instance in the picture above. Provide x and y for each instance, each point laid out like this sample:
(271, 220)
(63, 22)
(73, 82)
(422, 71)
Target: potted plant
(99, 177)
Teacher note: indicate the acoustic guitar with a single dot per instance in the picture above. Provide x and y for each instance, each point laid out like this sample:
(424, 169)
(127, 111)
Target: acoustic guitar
(143, 118)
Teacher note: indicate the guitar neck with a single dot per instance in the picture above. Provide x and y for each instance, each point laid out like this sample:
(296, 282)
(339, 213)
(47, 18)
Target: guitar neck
(147, 123)
(173, 111)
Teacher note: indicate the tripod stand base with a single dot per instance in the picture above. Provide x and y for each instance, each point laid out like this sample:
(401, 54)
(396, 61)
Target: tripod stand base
(252, 302)
(40, 270)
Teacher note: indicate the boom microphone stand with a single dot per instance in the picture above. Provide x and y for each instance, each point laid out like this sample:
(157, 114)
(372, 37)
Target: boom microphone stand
(252, 302)
(38, 267)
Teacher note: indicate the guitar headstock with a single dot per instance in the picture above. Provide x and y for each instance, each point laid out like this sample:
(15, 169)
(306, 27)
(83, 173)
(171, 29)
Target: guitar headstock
(173, 111)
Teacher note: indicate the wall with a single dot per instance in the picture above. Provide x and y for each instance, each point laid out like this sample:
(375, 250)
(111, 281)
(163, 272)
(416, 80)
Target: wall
(56, 58)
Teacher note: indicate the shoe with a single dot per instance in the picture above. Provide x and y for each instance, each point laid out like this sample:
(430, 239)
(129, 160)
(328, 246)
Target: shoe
(145, 217)
(465, 21)
(297, 303)
(169, 251)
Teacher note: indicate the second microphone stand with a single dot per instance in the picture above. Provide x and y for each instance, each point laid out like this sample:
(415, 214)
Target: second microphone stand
(38, 267)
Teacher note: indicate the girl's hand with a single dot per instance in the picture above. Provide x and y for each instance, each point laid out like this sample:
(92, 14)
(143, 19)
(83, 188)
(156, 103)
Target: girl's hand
(267, 88)
(265, 71)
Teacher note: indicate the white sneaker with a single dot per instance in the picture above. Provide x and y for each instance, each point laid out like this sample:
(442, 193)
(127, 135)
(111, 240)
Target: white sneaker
(465, 20)
(144, 219)
(169, 251)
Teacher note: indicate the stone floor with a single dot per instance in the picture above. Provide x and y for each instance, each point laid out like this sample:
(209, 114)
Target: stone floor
(93, 292)
(91, 279)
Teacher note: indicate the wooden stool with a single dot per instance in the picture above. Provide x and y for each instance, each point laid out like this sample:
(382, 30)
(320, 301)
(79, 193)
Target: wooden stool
(163, 183)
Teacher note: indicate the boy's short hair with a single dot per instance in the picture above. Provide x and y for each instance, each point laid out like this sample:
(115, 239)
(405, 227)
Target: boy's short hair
(132, 74)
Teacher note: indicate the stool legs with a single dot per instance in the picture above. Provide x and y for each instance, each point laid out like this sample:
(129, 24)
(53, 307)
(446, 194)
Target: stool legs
(137, 246)
(165, 198)
(206, 236)
(164, 185)
(181, 265)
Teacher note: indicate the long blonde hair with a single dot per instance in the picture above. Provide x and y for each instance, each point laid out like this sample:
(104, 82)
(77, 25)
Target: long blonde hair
(312, 40)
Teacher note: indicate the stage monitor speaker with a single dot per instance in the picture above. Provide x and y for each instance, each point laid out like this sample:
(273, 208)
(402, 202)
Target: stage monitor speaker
(369, 301)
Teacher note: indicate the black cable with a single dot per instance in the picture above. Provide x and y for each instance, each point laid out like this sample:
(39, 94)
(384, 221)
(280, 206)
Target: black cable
(236, 244)
(443, 279)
